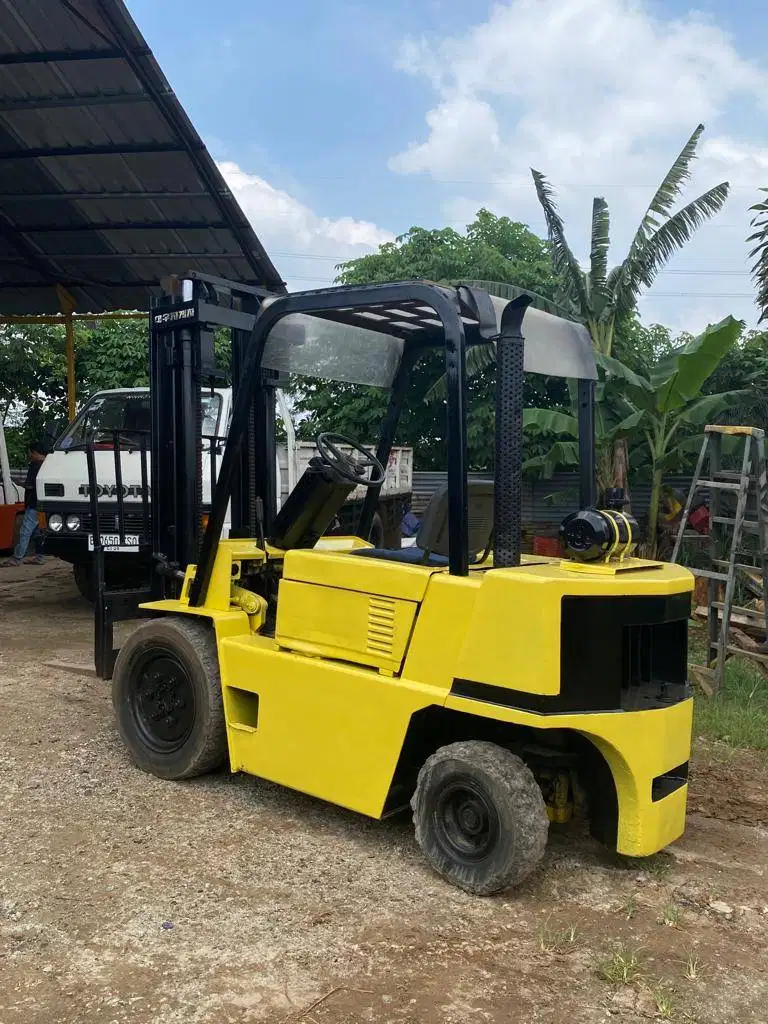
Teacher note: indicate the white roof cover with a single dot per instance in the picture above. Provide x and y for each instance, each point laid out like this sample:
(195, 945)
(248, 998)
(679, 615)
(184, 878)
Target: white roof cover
(554, 346)
(321, 347)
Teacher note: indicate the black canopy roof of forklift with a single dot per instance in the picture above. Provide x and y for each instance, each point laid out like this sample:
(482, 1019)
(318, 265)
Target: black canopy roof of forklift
(364, 344)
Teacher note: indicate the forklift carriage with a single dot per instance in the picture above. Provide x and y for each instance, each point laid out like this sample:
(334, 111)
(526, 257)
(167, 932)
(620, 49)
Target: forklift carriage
(495, 692)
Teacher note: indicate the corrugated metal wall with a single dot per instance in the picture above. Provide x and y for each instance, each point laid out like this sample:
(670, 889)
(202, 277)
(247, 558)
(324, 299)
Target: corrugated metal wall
(546, 502)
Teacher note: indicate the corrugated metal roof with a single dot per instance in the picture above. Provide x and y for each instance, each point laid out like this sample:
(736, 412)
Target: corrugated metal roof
(105, 186)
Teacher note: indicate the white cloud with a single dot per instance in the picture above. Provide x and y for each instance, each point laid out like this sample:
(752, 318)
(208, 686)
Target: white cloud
(294, 235)
(600, 95)
(464, 134)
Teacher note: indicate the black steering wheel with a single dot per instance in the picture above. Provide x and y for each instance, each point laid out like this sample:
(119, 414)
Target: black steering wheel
(348, 468)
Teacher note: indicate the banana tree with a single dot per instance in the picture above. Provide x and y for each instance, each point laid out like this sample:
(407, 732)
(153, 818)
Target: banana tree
(600, 298)
(660, 408)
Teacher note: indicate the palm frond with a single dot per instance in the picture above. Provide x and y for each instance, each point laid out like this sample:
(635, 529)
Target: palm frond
(615, 367)
(760, 267)
(478, 358)
(598, 256)
(669, 190)
(561, 453)
(658, 210)
(565, 265)
(551, 421)
(640, 268)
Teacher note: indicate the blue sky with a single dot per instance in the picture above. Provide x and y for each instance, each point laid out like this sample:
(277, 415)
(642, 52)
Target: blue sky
(340, 124)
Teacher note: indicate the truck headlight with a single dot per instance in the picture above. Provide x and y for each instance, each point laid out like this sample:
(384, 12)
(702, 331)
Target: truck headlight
(55, 523)
(73, 522)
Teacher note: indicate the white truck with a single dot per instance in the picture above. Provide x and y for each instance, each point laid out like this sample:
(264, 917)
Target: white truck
(11, 500)
(63, 493)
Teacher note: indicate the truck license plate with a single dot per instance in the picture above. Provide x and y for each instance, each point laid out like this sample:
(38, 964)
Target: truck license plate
(111, 542)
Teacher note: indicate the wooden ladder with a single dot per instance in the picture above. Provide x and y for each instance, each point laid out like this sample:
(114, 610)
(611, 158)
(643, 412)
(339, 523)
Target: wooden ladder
(748, 483)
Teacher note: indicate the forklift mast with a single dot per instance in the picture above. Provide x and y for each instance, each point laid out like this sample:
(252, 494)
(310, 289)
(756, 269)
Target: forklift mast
(183, 323)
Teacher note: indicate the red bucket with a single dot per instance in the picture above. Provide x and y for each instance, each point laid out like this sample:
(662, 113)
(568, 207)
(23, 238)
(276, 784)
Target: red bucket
(547, 546)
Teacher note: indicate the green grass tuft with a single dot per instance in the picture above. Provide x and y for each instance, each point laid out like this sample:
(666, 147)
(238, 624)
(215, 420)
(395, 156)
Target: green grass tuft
(621, 966)
(666, 1007)
(671, 915)
(738, 715)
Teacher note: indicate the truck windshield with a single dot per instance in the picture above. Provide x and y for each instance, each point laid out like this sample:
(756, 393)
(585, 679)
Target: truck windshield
(128, 413)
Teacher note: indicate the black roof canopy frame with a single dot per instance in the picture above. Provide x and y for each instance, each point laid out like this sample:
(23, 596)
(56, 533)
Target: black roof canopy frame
(105, 186)
(423, 315)
(439, 323)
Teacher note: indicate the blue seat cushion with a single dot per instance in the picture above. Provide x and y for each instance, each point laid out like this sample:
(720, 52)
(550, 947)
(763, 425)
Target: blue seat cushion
(411, 556)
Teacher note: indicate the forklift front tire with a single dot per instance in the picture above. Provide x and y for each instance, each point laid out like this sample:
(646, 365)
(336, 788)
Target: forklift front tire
(166, 690)
(480, 817)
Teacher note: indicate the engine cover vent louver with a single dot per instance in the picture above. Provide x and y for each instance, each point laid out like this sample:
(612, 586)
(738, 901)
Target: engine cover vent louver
(381, 625)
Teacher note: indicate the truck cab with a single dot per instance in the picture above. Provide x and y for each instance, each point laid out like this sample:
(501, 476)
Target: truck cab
(122, 417)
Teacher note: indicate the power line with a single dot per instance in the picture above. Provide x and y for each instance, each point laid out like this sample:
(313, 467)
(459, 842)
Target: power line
(698, 295)
(744, 275)
(342, 259)
(708, 273)
(653, 295)
(503, 181)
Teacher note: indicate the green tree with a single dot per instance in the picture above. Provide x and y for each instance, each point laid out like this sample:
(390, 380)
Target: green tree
(603, 299)
(32, 384)
(111, 354)
(33, 388)
(492, 247)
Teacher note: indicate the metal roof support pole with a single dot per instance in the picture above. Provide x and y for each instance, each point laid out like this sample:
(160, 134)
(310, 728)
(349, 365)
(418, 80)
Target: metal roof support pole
(67, 305)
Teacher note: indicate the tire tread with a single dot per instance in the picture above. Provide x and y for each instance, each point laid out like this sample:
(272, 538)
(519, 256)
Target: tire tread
(520, 788)
(212, 751)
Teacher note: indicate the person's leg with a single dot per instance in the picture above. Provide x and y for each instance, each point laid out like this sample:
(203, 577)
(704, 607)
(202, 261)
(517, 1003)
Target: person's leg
(28, 527)
(35, 550)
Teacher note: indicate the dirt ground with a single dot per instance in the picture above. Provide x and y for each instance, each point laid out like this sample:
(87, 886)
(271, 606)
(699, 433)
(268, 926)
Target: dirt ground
(124, 898)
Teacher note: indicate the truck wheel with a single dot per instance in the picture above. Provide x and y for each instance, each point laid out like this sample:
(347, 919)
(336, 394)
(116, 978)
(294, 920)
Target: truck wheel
(83, 573)
(480, 817)
(166, 691)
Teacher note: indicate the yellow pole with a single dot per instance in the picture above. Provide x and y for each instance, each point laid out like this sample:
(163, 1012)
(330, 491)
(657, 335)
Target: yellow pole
(67, 306)
(71, 392)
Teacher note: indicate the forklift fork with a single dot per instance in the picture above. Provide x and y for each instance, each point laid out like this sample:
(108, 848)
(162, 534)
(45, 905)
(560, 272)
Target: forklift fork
(115, 605)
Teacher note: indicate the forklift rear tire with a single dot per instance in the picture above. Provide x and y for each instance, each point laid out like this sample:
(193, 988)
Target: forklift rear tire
(480, 817)
(166, 690)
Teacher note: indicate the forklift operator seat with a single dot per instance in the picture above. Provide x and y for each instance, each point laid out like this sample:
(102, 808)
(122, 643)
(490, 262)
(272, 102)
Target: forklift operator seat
(432, 536)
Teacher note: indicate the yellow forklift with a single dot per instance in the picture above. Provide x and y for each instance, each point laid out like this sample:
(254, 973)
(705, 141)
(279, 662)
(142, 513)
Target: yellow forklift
(491, 691)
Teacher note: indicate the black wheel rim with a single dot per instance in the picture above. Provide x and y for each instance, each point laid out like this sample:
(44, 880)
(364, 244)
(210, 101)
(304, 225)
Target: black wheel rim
(162, 702)
(465, 821)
